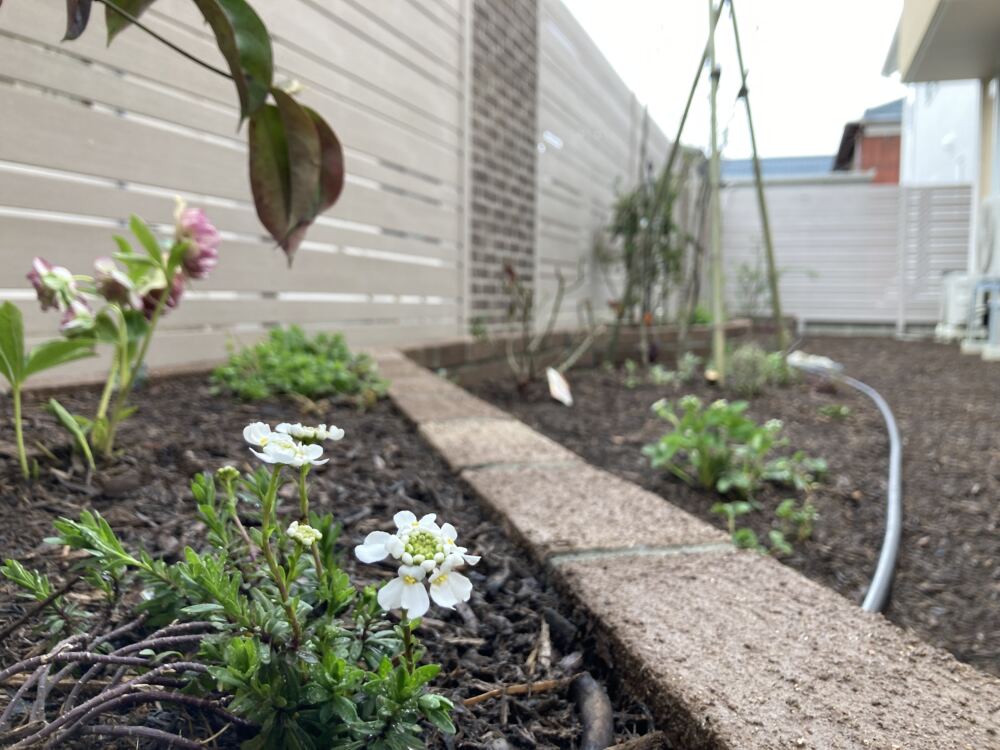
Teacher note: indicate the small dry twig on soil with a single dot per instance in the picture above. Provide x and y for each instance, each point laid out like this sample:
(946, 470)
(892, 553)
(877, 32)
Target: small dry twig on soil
(524, 688)
(651, 741)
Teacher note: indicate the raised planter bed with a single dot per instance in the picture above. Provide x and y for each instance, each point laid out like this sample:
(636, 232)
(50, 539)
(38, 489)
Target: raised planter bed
(381, 466)
(947, 586)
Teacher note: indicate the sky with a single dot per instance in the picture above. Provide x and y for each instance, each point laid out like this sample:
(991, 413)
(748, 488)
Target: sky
(813, 65)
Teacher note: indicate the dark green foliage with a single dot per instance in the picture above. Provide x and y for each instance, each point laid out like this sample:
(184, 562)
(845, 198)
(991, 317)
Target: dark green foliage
(291, 363)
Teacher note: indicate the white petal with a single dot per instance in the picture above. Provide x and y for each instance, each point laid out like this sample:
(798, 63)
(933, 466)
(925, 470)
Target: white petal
(449, 533)
(415, 600)
(414, 571)
(284, 427)
(265, 457)
(390, 596)
(335, 433)
(395, 546)
(374, 549)
(256, 433)
(460, 586)
(471, 559)
(442, 594)
(403, 519)
(427, 521)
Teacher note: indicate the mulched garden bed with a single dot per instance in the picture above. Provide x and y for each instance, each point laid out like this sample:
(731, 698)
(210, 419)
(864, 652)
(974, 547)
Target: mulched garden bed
(380, 467)
(947, 586)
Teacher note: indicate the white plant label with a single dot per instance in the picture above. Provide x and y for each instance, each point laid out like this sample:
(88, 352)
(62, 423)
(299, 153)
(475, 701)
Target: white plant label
(558, 387)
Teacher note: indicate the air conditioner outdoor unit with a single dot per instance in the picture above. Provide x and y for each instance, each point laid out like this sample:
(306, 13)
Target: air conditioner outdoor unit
(979, 294)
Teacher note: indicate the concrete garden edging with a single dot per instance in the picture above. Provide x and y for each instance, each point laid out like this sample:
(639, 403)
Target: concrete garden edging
(732, 649)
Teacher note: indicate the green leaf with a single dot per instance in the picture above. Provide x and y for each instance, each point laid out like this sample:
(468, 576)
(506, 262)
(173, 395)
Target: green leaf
(57, 352)
(77, 16)
(243, 40)
(331, 163)
(74, 428)
(116, 22)
(269, 171)
(12, 343)
(147, 239)
(304, 150)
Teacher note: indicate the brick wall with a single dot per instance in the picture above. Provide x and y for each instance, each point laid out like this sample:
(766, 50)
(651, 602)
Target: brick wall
(881, 153)
(504, 152)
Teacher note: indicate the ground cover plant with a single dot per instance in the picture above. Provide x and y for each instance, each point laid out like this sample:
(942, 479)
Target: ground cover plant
(306, 659)
(291, 362)
(512, 632)
(945, 587)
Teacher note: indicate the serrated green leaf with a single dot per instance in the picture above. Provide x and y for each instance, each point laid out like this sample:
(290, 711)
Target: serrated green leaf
(147, 239)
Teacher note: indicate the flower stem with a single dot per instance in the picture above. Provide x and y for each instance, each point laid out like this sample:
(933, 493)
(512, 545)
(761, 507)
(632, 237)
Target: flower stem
(272, 563)
(19, 431)
(102, 407)
(129, 373)
(304, 513)
(408, 659)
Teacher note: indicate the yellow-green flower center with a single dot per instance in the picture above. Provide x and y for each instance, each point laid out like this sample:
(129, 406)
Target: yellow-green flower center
(423, 543)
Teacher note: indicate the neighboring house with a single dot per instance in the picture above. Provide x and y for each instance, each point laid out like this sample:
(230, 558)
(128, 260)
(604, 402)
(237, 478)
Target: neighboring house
(781, 167)
(871, 144)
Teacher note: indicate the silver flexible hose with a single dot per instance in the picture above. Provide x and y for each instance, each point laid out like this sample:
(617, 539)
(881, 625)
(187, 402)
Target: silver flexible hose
(879, 589)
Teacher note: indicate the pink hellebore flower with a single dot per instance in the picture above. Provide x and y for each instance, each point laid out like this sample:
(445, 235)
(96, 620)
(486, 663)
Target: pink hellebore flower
(152, 297)
(54, 285)
(202, 238)
(77, 318)
(114, 284)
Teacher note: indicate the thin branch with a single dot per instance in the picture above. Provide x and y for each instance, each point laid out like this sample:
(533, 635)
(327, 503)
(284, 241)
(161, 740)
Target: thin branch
(525, 688)
(163, 40)
(68, 656)
(165, 738)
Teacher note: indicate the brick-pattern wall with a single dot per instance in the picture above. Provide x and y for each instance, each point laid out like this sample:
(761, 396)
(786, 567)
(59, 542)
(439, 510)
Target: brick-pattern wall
(503, 152)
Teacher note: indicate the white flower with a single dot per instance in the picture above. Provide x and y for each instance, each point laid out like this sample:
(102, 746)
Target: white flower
(427, 553)
(449, 587)
(406, 591)
(304, 534)
(279, 448)
(377, 546)
(257, 433)
(311, 434)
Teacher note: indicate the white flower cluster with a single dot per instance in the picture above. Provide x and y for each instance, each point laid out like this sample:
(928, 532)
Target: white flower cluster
(290, 444)
(428, 554)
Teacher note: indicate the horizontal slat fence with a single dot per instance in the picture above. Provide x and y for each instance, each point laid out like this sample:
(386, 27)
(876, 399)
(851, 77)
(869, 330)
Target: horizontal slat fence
(91, 133)
(841, 246)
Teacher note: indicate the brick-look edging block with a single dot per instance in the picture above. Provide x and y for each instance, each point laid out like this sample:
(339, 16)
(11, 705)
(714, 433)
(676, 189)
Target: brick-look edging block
(735, 650)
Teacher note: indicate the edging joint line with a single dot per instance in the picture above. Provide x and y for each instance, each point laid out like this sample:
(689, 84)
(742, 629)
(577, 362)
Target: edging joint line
(673, 550)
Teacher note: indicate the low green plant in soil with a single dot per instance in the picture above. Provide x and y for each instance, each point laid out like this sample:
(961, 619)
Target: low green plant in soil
(290, 362)
(687, 370)
(751, 370)
(263, 628)
(718, 447)
(120, 306)
(837, 412)
(794, 524)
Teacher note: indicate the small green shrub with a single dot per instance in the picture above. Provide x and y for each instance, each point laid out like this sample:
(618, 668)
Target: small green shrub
(748, 370)
(688, 366)
(719, 447)
(796, 520)
(700, 316)
(837, 412)
(661, 376)
(292, 363)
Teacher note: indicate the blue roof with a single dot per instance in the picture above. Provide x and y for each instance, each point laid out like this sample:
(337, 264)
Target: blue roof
(779, 166)
(888, 112)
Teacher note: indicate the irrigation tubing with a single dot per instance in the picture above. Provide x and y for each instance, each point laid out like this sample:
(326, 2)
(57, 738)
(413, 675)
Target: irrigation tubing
(879, 589)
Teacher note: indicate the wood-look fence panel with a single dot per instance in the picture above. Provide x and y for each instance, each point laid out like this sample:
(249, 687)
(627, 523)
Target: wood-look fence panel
(840, 247)
(92, 133)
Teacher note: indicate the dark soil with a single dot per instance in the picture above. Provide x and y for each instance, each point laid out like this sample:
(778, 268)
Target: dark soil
(380, 467)
(947, 406)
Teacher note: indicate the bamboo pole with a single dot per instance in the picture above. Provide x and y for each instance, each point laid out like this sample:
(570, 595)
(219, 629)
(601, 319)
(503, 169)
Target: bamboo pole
(765, 219)
(715, 211)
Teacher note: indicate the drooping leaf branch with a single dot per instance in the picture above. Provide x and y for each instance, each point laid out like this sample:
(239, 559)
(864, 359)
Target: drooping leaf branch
(296, 160)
